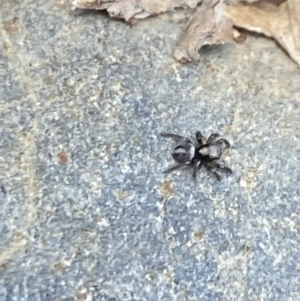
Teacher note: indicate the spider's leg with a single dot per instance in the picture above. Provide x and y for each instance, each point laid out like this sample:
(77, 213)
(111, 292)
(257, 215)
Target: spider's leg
(221, 141)
(171, 135)
(175, 136)
(224, 168)
(211, 168)
(196, 167)
(227, 169)
(212, 138)
(214, 174)
(200, 138)
(174, 167)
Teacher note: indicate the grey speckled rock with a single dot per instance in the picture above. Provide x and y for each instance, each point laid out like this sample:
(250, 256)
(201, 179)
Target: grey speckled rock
(85, 211)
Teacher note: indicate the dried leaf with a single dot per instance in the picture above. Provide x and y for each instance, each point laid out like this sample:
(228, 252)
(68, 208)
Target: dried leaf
(275, 2)
(135, 9)
(207, 26)
(233, 2)
(239, 36)
(294, 16)
(282, 23)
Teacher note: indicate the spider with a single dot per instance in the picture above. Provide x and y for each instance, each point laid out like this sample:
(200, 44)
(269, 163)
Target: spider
(206, 153)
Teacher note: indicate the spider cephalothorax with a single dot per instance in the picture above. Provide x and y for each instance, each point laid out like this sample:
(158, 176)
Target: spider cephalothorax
(207, 153)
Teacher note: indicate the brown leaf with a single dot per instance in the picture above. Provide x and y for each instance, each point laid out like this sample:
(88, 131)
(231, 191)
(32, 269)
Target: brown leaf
(275, 2)
(207, 26)
(239, 35)
(273, 18)
(282, 23)
(294, 16)
(135, 9)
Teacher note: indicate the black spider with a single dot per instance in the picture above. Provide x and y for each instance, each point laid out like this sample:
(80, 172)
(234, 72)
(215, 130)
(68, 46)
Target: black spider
(206, 153)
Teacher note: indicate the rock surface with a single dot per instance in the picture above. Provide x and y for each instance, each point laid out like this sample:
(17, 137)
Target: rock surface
(86, 213)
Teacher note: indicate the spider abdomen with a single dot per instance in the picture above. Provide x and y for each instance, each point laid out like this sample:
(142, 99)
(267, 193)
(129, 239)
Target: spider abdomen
(183, 152)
